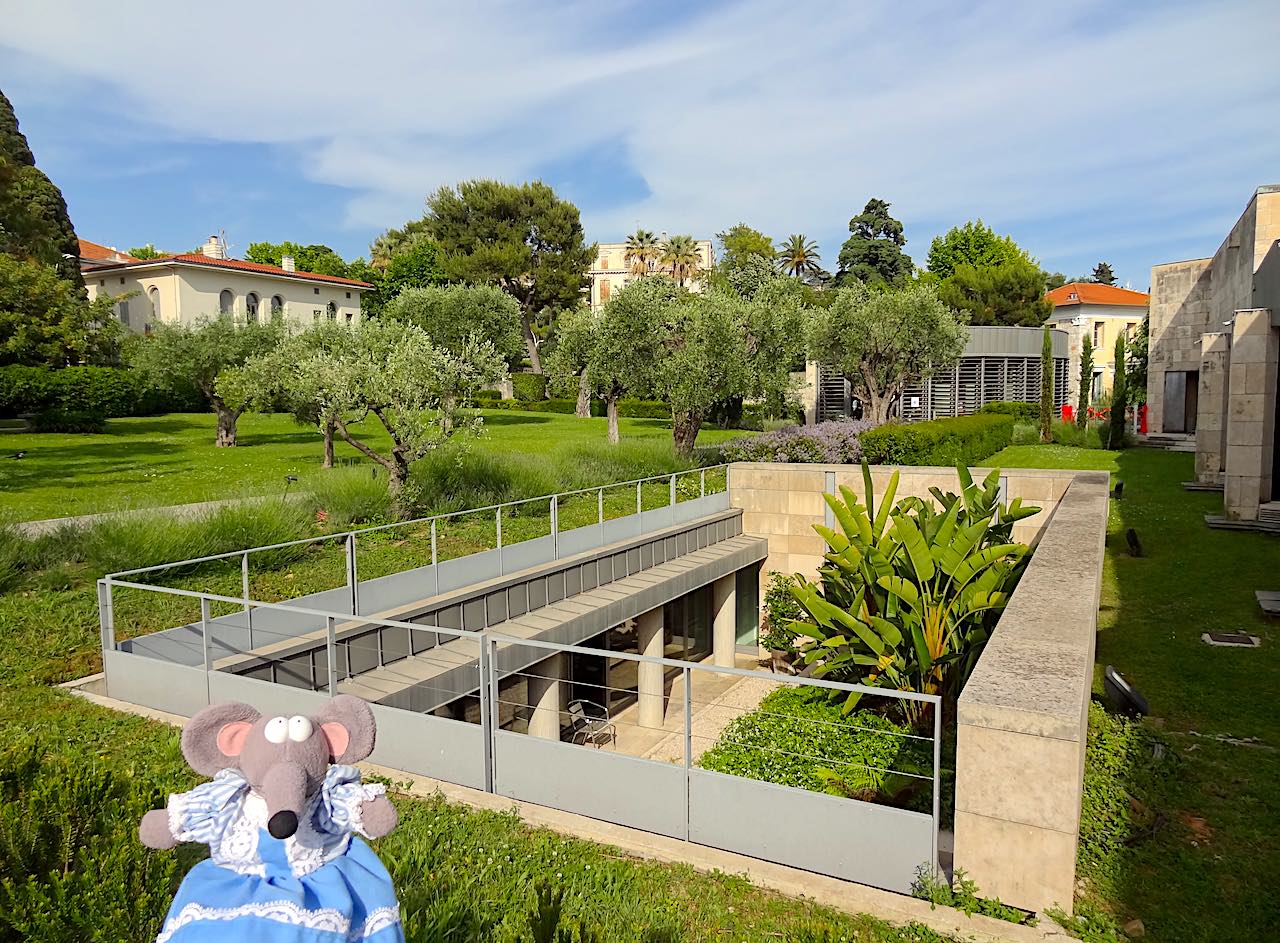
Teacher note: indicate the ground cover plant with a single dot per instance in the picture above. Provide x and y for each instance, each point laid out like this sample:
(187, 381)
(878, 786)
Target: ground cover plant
(163, 460)
(830, 443)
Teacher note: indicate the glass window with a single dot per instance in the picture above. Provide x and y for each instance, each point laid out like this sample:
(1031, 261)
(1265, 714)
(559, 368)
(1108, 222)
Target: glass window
(277, 307)
(332, 310)
(153, 295)
(604, 290)
(226, 302)
(251, 308)
(315, 315)
(122, 310)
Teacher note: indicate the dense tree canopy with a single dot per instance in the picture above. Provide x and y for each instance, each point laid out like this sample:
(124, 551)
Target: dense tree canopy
(521, 237)
(313, 258)
(34, 223)
(680, 258)
(974, 244)
(576, 336)
(1010, 294)
(873, 252)
(45, 319)
(1103, 274)
(149, 251)
(883, 340)
(740, 243)
(452, 314)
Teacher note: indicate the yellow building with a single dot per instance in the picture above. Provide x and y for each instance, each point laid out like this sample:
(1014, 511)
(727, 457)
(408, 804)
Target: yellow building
(1102, 313)
(611, 269)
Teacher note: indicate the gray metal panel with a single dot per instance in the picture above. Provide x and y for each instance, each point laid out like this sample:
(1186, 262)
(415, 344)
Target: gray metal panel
(475, 568)
(991, 341)
(657, 519)
(268, 698)
(592, 782)
(860, 841)
(701, 507)
(527, 553)
(396, 589)
(430, 746)
(177, 689)
(620, 528)
(580, 540)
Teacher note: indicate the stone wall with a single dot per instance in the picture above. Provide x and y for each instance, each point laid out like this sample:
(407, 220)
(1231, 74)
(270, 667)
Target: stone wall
(1180, 313)
(1022, 720)
(1211, 421)
(1251, 413)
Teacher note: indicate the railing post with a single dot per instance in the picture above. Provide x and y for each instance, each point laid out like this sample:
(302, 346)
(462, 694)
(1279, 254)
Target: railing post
(639, 499)
(702, 483)
(600, 513)
(353, 581)
(937, 779)
(673, 489)
(106, 616)
(497, 521)
(204, 645)
(435, 568)
(244, 588)
(555, 528)
(688, 743)
(487, 718)
(331, 653)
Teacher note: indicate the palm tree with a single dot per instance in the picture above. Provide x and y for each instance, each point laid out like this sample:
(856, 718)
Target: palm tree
(799, 256)
(680, 255)
(643, 250)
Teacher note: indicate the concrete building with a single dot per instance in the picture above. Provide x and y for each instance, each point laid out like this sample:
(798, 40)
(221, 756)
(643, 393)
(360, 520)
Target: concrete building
(1102, 313)
(998, 364)
(179, 289)
(612, 269)
(1215, 350)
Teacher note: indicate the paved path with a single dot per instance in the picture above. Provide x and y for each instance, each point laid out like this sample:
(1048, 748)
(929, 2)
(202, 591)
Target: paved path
(177, 511)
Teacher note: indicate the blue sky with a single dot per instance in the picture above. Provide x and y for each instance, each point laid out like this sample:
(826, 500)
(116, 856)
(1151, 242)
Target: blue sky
(1084, 133)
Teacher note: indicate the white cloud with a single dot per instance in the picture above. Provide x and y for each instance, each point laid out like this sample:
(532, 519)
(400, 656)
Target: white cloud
(786, 116)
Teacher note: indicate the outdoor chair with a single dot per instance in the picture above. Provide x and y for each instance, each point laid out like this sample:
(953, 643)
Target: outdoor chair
(589, 723)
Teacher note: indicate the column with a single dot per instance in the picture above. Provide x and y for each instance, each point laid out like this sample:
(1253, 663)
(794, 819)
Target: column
(545, 696)
(1251, 413)
(649, 682)
(724, 624)
(1211, 411)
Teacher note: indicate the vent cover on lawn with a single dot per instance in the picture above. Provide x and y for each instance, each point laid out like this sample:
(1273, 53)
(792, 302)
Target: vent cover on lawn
(1231, 639)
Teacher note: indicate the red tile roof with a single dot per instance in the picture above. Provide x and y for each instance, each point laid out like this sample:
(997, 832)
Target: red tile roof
(93, 252)
(1091, 293)
(196, 258)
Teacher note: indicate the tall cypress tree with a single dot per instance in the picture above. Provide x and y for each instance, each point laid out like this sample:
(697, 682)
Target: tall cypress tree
(1046, 388)
(1119, 399)
(33, 215)
(1086, 381)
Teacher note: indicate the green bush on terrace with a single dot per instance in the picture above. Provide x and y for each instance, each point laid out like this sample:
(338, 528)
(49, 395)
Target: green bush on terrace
(965, 440)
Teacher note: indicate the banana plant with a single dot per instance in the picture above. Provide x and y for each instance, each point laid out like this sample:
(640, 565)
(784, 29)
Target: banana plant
(908, 595)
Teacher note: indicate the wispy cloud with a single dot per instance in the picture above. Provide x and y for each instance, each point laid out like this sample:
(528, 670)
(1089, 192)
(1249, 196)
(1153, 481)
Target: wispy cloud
(1036, 117)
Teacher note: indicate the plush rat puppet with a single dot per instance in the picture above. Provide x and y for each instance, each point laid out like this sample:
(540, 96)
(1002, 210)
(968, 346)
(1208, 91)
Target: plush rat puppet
(278, 820)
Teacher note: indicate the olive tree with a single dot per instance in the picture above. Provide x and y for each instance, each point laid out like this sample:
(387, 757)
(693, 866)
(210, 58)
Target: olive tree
(392, 371)
(576, 334)
(451, 314)
(883, 340)
(175, 354)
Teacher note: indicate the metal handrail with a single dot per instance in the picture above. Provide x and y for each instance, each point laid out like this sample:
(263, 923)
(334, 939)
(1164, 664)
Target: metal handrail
(346, 535)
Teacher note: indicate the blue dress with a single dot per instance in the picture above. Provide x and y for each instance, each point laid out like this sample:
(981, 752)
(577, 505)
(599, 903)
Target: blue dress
(320, 885)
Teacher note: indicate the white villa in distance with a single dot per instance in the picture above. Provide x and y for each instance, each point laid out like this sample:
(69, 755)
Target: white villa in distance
(179, 289)
(611, 270)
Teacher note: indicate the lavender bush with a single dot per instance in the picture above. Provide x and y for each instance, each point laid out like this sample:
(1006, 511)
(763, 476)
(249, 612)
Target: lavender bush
(828, 443)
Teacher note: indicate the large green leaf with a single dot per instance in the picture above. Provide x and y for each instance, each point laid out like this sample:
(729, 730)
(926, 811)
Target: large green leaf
(982, 559)
(917, 549)
(888, 631)
(886, 503)
(902, 589)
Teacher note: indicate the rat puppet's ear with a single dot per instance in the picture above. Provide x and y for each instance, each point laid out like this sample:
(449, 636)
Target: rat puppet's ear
(348, 726)
(214, 738)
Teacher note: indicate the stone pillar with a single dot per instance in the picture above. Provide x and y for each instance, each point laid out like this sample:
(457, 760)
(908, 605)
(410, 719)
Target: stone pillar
(545, 696)
(1251, 412)
(649, 680)
(724, 624)
(1211, 414)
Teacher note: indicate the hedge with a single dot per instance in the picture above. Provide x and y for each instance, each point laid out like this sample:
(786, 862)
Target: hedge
(107, 392)
(1021, 412)
(966, 439)
(627, 408)
(529, 387)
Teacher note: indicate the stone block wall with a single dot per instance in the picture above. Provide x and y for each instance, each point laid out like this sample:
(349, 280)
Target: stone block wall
(1211, 422)
(1180, 312)
(1251, 413)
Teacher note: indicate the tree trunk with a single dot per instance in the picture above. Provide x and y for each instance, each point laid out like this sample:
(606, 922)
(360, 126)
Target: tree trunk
(226, 427)
(611, 410)
(530, 342)
(684, 432)
(328, 444)
(397, 479)
(583, 410)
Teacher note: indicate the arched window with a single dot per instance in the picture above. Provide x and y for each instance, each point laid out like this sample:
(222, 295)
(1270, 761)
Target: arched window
(226, 302)
(153, 294)
(277, 307)
(332, 310)
(251, 308)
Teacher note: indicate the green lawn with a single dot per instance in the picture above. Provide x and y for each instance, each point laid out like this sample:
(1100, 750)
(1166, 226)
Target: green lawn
(147, 462)
(1207, 873)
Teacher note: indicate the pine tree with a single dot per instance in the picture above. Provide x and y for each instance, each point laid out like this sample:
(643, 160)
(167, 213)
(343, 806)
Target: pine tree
(1119, 399)
(1103, 275)
(1086, 381)
(1046, 388)
(33, 215)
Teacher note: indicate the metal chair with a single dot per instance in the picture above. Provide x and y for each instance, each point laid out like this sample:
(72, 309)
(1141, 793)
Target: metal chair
(589, 723)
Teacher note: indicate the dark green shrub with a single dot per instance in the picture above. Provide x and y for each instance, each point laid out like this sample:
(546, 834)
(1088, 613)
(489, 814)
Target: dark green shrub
(487, 395)
(529, 387)
(780, 607)
(68, 420)
(638, 409)
(109, 392)
(1021, 412)
(964, 440)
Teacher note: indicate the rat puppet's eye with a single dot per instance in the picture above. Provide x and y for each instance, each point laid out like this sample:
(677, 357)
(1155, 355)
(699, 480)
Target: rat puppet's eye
(299, 729)
(277, 730)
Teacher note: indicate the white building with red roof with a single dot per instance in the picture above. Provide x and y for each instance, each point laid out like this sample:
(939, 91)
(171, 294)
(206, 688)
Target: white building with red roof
(1102, 313)
(180, 289)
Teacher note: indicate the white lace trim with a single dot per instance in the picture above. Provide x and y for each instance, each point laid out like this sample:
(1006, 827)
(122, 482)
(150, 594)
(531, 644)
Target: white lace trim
(286, 912)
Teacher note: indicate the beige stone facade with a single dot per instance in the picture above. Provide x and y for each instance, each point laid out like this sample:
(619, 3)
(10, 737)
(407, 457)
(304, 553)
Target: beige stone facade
(1215, 350)
(610, 271)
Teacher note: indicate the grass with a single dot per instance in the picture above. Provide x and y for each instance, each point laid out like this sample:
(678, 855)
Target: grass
(1198, 838)
(149, 462)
